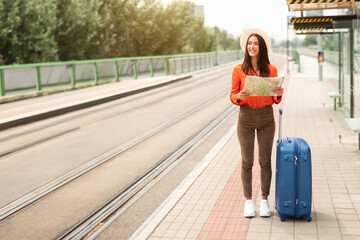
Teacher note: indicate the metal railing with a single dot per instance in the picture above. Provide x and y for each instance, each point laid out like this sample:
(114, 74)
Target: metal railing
(329, 56)
(332, 57)
(25, 78)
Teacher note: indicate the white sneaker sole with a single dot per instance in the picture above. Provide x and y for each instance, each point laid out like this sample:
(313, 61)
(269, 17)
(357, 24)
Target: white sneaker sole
(249, 216)
(265, 215)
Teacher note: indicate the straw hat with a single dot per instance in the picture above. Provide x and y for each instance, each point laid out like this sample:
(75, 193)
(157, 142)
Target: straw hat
(247, 32)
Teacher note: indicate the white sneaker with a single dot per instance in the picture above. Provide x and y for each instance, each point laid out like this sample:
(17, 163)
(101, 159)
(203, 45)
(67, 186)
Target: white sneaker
(265, 208)
(249, 208)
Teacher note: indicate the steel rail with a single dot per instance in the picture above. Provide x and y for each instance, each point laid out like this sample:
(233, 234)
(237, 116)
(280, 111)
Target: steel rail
(85, 226)
(33, 196)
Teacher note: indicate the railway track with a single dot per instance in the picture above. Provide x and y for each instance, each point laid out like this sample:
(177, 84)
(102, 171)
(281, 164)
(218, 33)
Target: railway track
(106, 214)
(128, 187)
(40, 192)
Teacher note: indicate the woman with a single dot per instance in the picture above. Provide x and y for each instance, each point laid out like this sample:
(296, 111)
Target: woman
(255, 116)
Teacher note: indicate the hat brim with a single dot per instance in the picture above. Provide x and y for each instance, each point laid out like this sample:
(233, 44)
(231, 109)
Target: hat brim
(247, 32)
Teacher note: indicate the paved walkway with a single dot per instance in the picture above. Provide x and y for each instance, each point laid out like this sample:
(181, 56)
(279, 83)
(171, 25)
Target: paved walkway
(208, 204)
(34, 109)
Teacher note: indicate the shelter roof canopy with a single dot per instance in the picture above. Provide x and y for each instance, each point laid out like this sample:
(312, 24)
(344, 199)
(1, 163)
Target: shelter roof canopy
(306, 5)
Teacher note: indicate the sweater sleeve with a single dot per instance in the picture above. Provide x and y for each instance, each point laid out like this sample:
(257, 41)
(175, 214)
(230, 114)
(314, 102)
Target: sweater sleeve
(235, 87)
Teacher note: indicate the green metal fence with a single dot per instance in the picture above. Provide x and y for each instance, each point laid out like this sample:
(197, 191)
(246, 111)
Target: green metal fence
(20, 79)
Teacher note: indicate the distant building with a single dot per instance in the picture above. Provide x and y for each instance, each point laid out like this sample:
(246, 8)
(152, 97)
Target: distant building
(199, 11)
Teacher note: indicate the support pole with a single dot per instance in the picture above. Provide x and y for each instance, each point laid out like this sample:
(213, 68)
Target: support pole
(73, 79)
(38, 83)
(351, 72)
(152, 67)
(2, 83)
(340, 67)
(135, 70)
(287, 46)
(117, 71)
(320, 49)
(96, 73)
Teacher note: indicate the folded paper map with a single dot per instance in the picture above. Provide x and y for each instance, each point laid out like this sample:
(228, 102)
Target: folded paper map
(262, 86)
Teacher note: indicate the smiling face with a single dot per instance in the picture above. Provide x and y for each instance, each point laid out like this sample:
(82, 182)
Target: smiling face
(253, 46)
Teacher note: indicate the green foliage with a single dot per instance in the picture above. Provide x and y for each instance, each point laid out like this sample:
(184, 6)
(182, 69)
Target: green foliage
(52, 30)
(310, 40)
(82, 29)
(200, 39)
(27, 31)
(331, 43)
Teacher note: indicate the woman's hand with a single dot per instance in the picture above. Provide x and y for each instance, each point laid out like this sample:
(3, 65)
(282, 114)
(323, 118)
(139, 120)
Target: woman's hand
(242, 94)
(278, 91)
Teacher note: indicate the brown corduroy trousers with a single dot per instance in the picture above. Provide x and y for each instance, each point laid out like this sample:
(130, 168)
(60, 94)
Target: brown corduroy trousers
(261, 121)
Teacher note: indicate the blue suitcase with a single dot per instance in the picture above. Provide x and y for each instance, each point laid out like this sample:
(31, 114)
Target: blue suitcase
(293, 177)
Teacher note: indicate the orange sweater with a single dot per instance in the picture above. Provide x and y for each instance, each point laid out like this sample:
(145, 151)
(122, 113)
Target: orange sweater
(238, 81)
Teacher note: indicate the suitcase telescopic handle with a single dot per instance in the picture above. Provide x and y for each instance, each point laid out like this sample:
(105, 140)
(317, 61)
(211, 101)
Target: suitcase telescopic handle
(280, 123)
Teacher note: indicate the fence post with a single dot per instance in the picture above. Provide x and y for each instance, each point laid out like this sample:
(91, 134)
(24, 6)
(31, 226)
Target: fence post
(117, 70)
(73, 79)
(195, 62)
(135, 70)
(189, 69)
(152, 67)
(2, 82)
(167, 66)
(174, 65)
(38, 85)
(182, 64)
(96, 73)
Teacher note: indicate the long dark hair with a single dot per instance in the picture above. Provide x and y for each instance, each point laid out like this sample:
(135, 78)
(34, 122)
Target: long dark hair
(263, 58)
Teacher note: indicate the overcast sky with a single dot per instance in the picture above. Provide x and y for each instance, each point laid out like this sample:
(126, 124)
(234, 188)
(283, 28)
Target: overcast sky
(236, 15)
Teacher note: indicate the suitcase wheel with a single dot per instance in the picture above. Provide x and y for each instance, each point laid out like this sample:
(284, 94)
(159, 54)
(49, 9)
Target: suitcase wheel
(282, 218)
(308, 219)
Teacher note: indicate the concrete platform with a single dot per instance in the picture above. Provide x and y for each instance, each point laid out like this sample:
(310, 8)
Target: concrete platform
(30, 110)
(208, 204)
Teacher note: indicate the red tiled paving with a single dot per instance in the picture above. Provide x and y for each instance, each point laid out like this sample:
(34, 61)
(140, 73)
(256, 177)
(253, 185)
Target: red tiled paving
(226, 220)
(336, 186)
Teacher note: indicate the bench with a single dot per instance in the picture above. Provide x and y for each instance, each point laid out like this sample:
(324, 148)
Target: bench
(334, 95)
(354, 124)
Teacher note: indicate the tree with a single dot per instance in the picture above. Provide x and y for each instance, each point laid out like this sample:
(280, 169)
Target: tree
(200, 38)
(150, 29)
(83, 29)
(51, 30)
(146, 27)
(123, 16)
(331, 43)
(178, 19)
(26, 31)
(309, 40)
